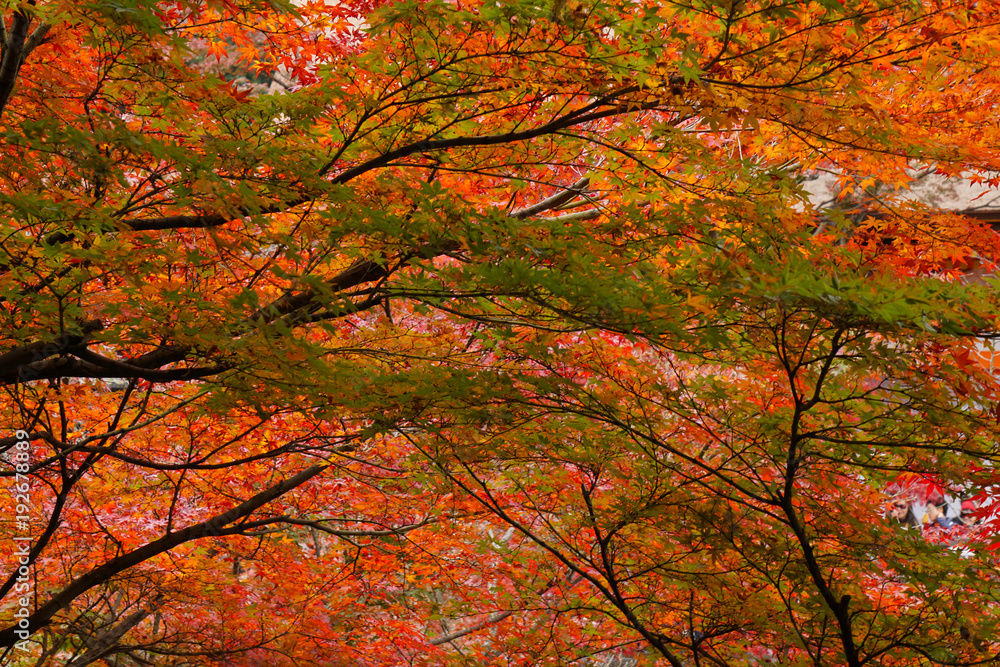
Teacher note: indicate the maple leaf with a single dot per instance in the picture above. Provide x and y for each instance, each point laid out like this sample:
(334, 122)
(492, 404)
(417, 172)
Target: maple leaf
(505, 333)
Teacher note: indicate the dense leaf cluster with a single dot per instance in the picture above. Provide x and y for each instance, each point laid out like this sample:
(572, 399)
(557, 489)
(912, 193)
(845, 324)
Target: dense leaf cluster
(504, 333)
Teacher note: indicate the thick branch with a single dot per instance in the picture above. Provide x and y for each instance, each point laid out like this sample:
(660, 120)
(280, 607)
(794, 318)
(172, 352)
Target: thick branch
(555, 201)
(62, 367)
(458, 634)
(174, 222)
(36, 37)
(358, 273)
(13, 56)
(106, 641)
(11, 361)
(213, 527)
(33, 361)
(117, 368)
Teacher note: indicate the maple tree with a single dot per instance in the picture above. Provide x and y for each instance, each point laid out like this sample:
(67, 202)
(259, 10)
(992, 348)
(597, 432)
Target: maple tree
(501, 334)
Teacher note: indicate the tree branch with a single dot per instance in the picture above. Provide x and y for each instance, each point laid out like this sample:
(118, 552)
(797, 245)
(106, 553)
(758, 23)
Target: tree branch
(105, 642)
(12, 361)
(36, 37)
(216, 526)
(13, 56)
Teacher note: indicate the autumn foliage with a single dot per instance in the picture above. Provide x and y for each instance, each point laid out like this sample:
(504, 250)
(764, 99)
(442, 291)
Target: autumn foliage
(450, 332)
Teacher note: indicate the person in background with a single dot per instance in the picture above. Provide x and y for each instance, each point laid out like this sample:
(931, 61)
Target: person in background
(968, 507)
(936, 517)
(903, 513)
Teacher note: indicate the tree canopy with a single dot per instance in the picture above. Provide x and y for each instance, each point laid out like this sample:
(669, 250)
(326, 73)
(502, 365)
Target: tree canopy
(461, 332)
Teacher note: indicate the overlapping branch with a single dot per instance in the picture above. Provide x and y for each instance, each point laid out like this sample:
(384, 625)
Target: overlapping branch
(220, 524)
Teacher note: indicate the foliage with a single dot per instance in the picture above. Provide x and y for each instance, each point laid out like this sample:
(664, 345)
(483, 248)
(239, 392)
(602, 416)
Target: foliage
(504, 334)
